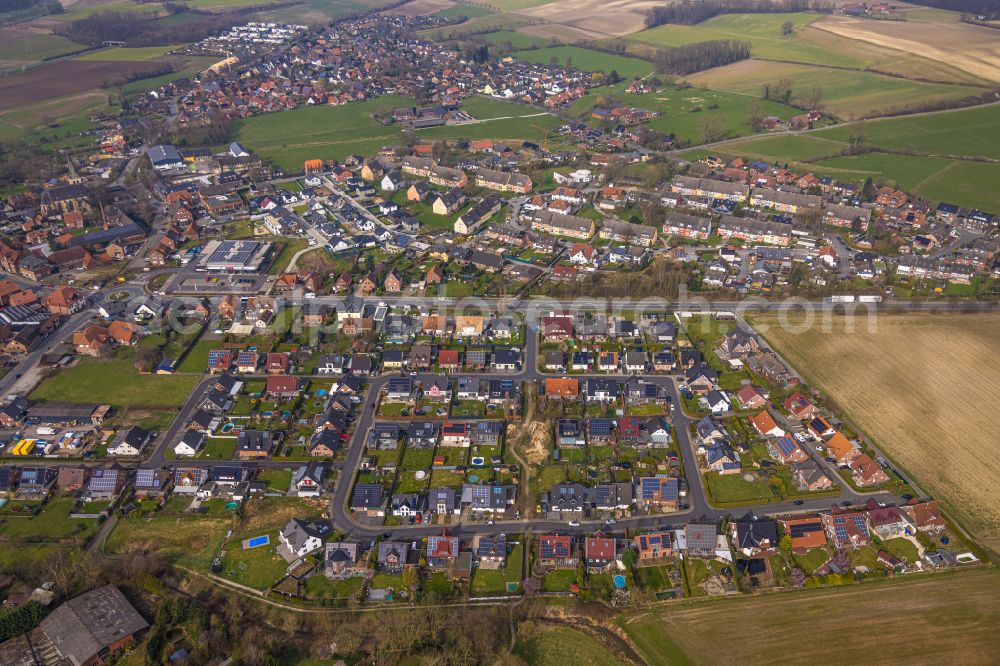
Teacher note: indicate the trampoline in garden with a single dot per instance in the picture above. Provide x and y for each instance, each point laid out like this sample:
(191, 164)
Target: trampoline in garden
(320, 393)
(232, 506)
(256, 542)
(267, 414)
(478, 461)
(473, 478)
(620, 581)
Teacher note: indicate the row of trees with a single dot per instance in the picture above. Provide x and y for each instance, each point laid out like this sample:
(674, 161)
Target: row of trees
(700, 56)
(988, 8)
(52, 6)
(781, 91)
(690, 12)
(142, 28)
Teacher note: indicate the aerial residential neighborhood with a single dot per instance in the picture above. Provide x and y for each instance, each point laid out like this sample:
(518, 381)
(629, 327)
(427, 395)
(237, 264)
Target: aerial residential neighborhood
(441, 332)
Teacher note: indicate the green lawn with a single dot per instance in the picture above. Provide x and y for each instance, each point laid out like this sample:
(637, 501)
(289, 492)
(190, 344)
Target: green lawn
(289, 246)
(654, 578)
(414, 459)
(468, 408)
(407, 482)
(115, 381)
(811, 560)
(558, 580)
(196, 359)
(446, 479)
(588, 60)
(277, 479)
(52, 524)
(865, 557)
(902, 548)
(727, 488)
(319, 586)
(218, 448)
(490, 581)
(259, 568)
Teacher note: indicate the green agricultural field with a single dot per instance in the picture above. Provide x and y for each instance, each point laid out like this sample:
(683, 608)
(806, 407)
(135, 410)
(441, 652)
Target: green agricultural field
(763, 31)
(588, 60)
(316, 12)
(115, 381)
(81, 10)
(515, 5)
(965, 183)
(17, 44)
(486, 108)
(527, 128)
(682, 110)
(193, 65)
(290, 137)
(846, 94)
(919, 617)
(969, 132)
(477, 26)
(517, 40)
(129, 54)
(468, 11)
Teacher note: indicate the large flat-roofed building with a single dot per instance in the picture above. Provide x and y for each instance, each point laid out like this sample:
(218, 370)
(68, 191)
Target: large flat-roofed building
(235, 256)
(165, 157)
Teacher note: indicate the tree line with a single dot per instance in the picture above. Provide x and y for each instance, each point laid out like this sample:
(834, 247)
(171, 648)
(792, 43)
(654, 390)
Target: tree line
(142, 28)
(690, 12)
(987, 8)
(16, 5)
(700, 56)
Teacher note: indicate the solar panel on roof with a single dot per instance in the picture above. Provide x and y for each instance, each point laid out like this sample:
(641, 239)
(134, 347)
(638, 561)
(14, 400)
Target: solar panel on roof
(841, 533)
(804, 528)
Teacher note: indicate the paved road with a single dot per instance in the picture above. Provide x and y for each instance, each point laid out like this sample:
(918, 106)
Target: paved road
(22, 377)
(698, 506)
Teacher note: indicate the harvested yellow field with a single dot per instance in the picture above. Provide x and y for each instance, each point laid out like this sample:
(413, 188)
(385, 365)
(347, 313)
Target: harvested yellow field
(923, 387)
(970, 48)
(930, 620)
(611, 18)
